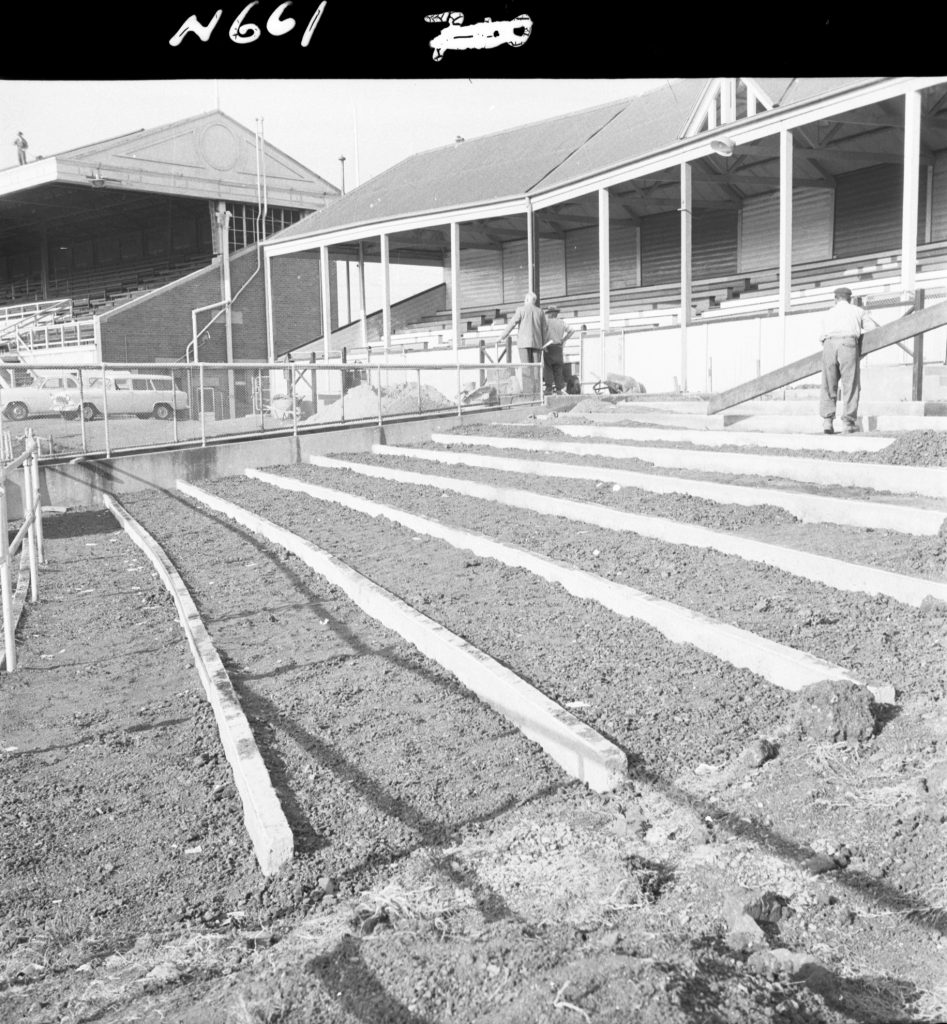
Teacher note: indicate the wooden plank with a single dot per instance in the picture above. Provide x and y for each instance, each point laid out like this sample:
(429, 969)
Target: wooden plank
(914, 322)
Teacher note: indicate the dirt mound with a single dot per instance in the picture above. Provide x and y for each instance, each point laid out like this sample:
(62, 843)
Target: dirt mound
(913, 448)
(362, 403)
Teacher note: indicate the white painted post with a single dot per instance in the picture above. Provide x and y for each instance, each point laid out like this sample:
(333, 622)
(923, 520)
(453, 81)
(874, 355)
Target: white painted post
(385, 292)
(785, 233)
(37, 503)
(294, 380)
(455, 282)
(200, 384)
(28, 515)
(6, 590)
(325, 299)
(686, 247)
(604, 260)
(912, 170)
(362, 311)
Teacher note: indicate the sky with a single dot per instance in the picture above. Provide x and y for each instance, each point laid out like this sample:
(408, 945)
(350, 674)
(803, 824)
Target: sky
(374, 123)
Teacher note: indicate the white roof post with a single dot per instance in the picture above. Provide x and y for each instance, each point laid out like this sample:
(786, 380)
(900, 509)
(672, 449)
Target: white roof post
(785, 231)
(912, 169)
(604, 257)
(455, 282)
(385, 292)
(326, 302)
(687, 217)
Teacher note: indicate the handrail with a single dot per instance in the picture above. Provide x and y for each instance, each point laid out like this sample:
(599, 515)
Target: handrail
(31, 530)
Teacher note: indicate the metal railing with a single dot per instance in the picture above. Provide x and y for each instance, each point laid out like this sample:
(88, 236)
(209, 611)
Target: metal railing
(111, 407)
(31, 530)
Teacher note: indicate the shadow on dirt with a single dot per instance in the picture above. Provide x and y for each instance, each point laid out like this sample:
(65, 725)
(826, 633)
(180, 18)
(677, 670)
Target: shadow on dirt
(345, 975)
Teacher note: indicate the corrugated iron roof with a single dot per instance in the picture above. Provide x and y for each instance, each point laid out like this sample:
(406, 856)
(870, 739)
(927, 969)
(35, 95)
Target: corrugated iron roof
(536, 157)
(646, 123)
(490, 168)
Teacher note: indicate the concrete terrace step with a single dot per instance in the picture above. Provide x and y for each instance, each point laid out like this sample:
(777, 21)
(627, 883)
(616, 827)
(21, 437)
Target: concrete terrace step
(743, 438)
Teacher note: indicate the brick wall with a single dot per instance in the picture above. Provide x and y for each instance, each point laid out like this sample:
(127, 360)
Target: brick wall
(157, 328)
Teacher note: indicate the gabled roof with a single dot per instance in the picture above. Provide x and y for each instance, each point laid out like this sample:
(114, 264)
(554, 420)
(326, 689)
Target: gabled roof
(537, 157)
(209, 156)
(491, 168)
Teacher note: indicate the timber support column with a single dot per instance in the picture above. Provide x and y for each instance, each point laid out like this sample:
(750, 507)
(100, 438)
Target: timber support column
(604, 257)
(532, 252)
(687, 217)
(785, 234)
(455, 283)
(912, 170)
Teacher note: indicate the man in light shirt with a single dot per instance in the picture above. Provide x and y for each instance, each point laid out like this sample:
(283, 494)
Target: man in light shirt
(842, 328)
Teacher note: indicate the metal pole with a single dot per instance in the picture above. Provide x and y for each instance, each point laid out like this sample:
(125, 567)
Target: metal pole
(200, 385)
(28, 515)
(82, 412)
(459, 409)
(105, 413)
(292, 398)
(9, 639)
(174, 407)
(38, 505)
(379, 392)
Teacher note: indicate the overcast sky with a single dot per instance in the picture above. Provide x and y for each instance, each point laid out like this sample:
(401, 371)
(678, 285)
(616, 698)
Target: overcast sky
(313, 120)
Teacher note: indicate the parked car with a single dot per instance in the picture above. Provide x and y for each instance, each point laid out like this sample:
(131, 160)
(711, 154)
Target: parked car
(41, 397)
(139, 394)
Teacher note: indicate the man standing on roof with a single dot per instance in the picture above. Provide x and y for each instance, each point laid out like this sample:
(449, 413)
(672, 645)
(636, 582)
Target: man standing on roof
(842, 329)
(21, 147)
(554, 379)
(532, 335)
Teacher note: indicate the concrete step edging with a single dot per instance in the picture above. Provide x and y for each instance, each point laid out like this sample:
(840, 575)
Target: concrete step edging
(895, 479)
(777, 663)
(742, 438)
(577, 748)
(810, 508)
(820, 569)
(264, 819)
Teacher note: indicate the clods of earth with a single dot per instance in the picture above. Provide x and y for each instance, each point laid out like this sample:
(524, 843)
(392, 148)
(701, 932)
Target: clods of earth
(771, 857)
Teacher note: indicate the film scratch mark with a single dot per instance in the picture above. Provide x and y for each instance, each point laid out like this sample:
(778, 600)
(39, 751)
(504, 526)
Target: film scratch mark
(483, 35)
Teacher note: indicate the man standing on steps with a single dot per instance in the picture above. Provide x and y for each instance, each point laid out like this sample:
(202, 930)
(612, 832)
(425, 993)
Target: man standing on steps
(532, 334)
(842, 329)
(21, 147)
(554, 381)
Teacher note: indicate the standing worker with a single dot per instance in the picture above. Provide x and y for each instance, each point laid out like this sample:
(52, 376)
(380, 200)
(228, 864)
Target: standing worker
(532, 335)
(21, 147)
(554, 378)
(842, 329)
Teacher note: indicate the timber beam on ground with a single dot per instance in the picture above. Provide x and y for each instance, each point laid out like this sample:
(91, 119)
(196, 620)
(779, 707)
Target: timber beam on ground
(921, 480)
(914, 322)
(779, 664)
(832, 572)
(264, 819)
(577, 748)
(810, 508)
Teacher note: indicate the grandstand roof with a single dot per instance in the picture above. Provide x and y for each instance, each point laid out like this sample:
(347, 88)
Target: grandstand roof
(208, 156)
(534, 158)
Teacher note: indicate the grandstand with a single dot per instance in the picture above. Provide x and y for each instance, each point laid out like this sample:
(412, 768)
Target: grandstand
(90, 237)
(702, 224)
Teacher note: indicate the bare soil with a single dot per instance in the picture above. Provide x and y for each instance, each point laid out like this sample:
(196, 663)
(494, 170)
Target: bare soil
(445, 869)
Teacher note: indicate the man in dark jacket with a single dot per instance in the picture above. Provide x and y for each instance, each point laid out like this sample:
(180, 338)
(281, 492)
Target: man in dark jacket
(532, 334)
